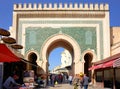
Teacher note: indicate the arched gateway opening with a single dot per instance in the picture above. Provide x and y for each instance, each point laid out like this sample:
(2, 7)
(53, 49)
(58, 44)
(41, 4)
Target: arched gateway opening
(88, 59)
(61, 40)
(32, 57)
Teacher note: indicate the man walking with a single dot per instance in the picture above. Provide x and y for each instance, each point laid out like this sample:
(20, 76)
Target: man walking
(70, 79)
(85, 81)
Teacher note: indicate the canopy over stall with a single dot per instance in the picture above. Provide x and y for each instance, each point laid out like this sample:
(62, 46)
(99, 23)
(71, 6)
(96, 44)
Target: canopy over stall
(6, 55)
(112, 61)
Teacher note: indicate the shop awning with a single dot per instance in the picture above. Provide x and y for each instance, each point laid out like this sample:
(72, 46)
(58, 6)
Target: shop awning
(108, 64)
(6, 54)
(96, 67)
(116, 63)
(91, 68)
(112, 61)
(103, 65)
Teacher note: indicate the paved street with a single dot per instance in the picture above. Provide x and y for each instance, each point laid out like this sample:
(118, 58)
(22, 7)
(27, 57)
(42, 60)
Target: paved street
(67, 86)
(61, 86)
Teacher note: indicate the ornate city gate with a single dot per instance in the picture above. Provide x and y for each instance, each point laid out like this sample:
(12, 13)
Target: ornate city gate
(82, 29)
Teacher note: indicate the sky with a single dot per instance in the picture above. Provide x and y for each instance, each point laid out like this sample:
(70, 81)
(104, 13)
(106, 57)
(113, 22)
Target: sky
(55, 57)
(6, 12)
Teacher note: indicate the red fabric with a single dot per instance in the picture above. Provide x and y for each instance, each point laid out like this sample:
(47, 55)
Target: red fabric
(96, 67)
(108, 64)
(6, 55)
(91, 68)
(104, 65)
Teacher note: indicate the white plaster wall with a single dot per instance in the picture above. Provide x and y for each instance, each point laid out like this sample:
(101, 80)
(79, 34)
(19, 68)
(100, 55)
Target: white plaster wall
(106, 35)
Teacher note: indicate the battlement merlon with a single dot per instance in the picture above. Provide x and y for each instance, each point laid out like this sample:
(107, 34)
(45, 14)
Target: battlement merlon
(61, 6)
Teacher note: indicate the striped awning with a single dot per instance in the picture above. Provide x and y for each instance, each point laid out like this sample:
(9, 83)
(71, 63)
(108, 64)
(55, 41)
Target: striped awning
(103, 65)
(109, 62)
(116, 63)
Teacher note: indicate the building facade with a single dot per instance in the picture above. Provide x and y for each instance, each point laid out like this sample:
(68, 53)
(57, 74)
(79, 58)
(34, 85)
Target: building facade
(82, 29)
(66, 59)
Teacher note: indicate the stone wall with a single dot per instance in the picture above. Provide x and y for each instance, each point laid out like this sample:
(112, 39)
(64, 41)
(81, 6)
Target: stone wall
(115, 40)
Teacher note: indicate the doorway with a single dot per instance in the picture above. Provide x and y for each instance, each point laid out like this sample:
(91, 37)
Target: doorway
(88, 59)
(32, 57)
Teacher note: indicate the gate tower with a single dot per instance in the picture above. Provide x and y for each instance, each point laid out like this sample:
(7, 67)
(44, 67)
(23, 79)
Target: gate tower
(82, 29)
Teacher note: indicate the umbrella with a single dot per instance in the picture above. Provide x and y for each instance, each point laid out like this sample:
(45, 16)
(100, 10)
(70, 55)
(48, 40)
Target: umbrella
(17, 46)
(9, 40)
(4, 32)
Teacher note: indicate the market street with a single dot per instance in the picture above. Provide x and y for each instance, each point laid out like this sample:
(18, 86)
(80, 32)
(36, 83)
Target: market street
(68, 86)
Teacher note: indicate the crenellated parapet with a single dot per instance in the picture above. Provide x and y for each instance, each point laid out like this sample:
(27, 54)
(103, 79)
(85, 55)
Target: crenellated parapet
(62, 6)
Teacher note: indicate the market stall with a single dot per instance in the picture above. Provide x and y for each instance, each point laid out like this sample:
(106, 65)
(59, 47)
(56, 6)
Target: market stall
(107, 72)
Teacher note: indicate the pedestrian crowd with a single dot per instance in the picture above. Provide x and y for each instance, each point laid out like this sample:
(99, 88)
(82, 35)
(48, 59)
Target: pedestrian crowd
(56, 79)
(81, 80)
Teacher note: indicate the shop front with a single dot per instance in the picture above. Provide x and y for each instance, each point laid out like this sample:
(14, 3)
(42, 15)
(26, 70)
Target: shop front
(116, 66)
(107, 72)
